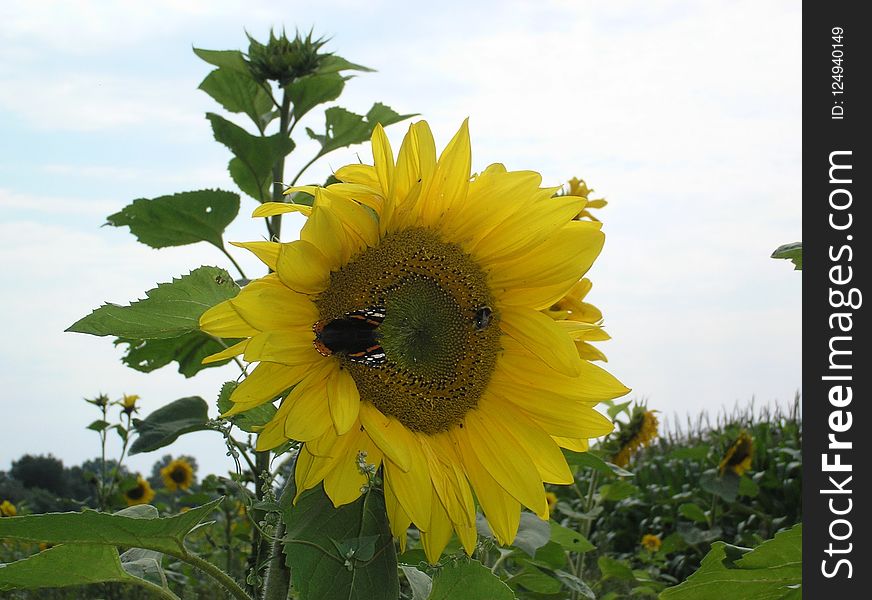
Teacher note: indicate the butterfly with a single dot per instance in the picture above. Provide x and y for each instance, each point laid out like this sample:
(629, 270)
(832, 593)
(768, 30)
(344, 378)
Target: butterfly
(354, 335)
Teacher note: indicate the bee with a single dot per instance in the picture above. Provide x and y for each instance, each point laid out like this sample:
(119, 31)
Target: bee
(483, 317)
(355, 336)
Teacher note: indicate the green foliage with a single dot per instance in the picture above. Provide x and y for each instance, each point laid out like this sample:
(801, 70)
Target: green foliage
(308, 92)
(46, 472)
(170, 310)
(90, 527)
(344, 552)
(792, 252)
(468, 580)
(187, 350)
(250, 420)
(344, 128)
(771, 571)
(162, 427)
(64, 566)
(179, 219)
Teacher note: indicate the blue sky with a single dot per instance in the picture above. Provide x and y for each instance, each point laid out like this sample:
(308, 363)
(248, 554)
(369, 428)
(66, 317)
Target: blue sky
(684, 115)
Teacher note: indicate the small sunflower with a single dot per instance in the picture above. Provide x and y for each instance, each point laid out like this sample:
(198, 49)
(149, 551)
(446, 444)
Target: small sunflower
(639, 432)
(141, 493)
(178, 475)
(551, 497)
(128, 403)
(408, 324)
(7, 509)
(577, 187)
(651, 542)
(738, 456)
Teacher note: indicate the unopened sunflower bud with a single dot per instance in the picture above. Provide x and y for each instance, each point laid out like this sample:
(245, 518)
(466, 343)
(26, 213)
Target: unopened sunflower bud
(284, 60)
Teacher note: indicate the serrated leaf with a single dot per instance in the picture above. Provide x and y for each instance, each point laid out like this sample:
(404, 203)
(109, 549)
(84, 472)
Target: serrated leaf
(238, 92)
(693, 512)
(772, 571)
(345, 128)
(63, 566)
(187, 350)
(169, 310)
(92, 527)
(163, 426)
(179, 219)
(308, 92)
(229, 59)
(569, 539)
(314, 527)
(468, 580)
(249, 421)
(792, 252)
(252, 170)
(420, 582)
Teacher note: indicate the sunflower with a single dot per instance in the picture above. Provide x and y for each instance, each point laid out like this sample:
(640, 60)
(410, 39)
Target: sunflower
(178, 475)
(128, 403)
(639, 432)
(7, 509)
(141, 493)
(573, 308)
(551, 498)
(738, 456)
(651, 542)
(407, 323)
(577, 187)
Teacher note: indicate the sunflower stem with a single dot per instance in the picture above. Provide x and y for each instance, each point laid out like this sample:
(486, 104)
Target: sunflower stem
(278, 576)
(274, 224)
(215, 573)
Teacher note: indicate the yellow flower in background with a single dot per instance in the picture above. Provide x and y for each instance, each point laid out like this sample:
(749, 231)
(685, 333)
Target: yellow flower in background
(7, 509)
(638, 433)
(141, 493)
(738, 456)
(577, 187)
(178, 475)
(408, 321)
(651, 542)
(551, 497)
(128, 403)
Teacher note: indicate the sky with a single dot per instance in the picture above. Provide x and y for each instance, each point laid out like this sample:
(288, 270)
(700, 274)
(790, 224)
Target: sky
(684, 115)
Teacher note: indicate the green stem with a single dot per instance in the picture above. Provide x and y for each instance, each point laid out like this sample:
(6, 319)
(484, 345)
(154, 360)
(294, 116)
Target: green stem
(155, 589)
(258, 542)
(215, 573)
(235, 264)
(274, 224)
(278, 576)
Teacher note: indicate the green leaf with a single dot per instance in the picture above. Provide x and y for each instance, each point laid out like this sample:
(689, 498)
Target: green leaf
(420, 582)
(592, 461)
(366, 569)
(570, 540)
(536, 580)
(693, 512)
(725, 486)
(187, 350)
(229, 59)
(92, 527)
(792, 252)
(250, 420)
(533, 533)
(345, 128)
(614, 569)
(98, 425)
(308, 92)
(238, 92)
(618, 490)
(468, 580)
(575, 584)
(163, 426)
(694, 535)
(334, 64)
(697, 453)
(772, 571)
(63, 566)
(180, 219)
(144, 564)
(617, 408)
(255, 156)
(170, 310)
(748, 487)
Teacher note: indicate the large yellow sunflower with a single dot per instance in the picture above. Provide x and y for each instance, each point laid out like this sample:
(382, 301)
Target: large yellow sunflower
(408, 324)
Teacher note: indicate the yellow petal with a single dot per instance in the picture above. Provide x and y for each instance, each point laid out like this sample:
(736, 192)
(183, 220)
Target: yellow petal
(303, 267)
(409, 485)
(310, 470)
(324, 231)
(416, 160)
(358, 174)
(448, 480)
(542, 337)
(267, 252)
(343, 399)
(266, 303)
(234, 350)
(270, 437)
(264, 384)
(503, 512)
(519, 477)
(305, 410)
(450, 182)
(581, 445)
(222, 320)
(290, 347)
(439, 532)
(397, 518)
(383, 159)
(344, 483)
(270, 209)
(392, 437)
